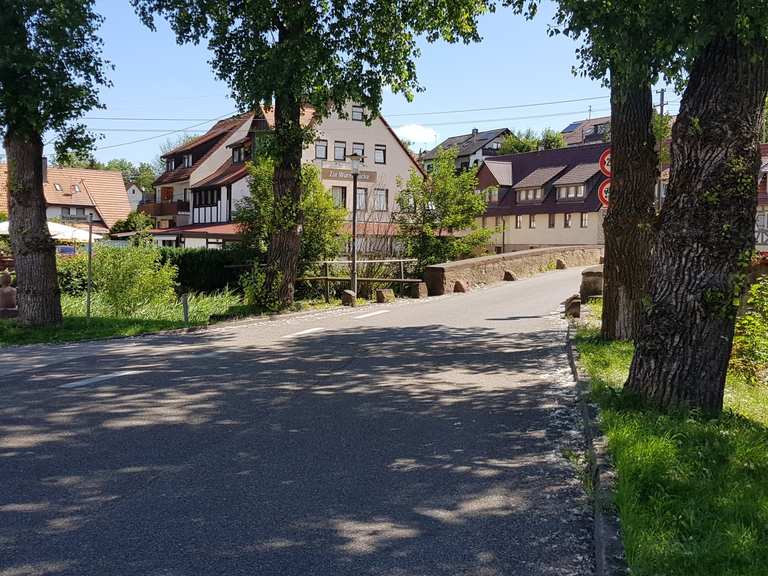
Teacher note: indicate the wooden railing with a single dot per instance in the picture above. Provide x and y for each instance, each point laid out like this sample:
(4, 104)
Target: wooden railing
(326, 278)
(164, 208)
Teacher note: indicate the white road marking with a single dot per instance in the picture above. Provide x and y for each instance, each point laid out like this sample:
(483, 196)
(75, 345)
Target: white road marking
(101, 378)
(371, 314)
(209, 354)
(303, 332)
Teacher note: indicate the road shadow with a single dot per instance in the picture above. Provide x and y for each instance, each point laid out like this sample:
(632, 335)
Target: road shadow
(397, 451)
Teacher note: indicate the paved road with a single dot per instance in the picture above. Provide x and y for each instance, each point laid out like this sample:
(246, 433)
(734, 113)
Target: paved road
(413, 439)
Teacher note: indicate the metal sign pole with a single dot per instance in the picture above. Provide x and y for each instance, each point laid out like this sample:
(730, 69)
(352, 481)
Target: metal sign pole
(90, 269)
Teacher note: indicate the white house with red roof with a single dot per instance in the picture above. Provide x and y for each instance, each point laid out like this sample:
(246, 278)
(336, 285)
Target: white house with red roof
(207, 177)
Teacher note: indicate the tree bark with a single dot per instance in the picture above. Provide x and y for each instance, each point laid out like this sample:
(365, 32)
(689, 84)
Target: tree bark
(706, 234)
(629, 222)
(285, 241)
(33, 248)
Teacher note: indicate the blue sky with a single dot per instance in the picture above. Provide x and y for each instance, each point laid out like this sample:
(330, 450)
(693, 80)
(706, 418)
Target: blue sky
(516, 63)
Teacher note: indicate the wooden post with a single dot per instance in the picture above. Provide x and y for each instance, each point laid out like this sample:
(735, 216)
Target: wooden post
(185, 307)
(402, 270)
(326, 282)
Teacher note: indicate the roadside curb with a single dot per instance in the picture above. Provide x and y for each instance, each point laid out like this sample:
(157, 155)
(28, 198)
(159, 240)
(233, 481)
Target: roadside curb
(608, 546)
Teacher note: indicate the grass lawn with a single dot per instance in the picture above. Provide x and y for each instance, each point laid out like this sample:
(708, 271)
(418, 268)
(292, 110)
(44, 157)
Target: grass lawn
(692, 491)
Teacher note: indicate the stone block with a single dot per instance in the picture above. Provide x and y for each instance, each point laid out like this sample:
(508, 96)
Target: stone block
(573, 307)
(591, 283)
(6, 313)
(509, 276)
(385, 295)
(461, 286)
(419, 290)
(348, 298)
(560, 264)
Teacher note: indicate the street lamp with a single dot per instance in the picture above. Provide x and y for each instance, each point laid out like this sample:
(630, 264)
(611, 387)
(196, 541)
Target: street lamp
(355, 159)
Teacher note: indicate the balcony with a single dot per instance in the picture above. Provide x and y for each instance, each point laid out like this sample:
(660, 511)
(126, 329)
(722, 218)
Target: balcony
(164, 208)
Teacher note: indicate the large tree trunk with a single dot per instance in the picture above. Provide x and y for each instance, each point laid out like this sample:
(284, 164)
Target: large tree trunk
(706, 234)
(35, 253)
(629, 223)
(285, 243)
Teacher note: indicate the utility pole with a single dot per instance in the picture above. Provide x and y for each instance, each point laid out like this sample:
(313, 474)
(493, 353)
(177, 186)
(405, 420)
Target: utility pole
(661, 143)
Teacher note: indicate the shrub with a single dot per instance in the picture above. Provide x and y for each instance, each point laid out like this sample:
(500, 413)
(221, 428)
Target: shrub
(129, 279)
(749, 357)
(73, 273)
(203, 270)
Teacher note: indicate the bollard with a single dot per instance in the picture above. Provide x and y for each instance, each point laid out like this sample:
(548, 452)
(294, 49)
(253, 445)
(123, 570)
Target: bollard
(185, 307)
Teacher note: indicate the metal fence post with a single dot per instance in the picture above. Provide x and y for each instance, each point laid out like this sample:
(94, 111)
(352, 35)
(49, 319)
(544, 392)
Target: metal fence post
(89, 287)
(185, 307)
(326, 282)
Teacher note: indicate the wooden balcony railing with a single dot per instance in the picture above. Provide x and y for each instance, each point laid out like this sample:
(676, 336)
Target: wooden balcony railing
(164, 208)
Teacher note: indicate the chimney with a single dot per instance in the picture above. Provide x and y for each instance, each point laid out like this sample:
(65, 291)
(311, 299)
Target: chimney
(45, 169)
(474, 133)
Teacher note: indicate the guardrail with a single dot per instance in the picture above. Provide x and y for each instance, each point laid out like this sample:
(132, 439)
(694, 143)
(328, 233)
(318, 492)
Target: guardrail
(326, 277)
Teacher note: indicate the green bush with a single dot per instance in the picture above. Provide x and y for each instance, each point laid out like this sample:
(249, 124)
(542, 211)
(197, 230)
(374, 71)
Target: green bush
(129, 279)
(749, 356)
(203, 270)
(73, 273)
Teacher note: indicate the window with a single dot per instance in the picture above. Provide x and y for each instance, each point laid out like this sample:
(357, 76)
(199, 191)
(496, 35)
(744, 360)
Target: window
(340, 151)
(539, 193)
(339, 194)
(80, 212)
(532, 221)
(585, 220)
(362, 196)
(238, 155)
(380, 154)
(551, 220)
(207, 198)
(357, 113)
(169, 165)
(188, 160)
(493, 195)
(65, 211)
(358, 148)
(57, 187)
(321, 149)
(567, 220)
(75, 188)
(380, 199)
(518, 221)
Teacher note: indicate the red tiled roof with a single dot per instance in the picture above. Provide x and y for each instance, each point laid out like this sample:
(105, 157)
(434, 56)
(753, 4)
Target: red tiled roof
(199, 230)
(227, 173)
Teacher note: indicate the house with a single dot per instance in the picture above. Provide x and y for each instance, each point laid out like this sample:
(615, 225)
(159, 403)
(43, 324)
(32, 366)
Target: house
(74, 194)
(544, 198)
(472, 149)
(135, 195)
(589, 131)
(216, 178)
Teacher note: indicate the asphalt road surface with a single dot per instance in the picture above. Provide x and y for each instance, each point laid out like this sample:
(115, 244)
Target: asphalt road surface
(411, 439)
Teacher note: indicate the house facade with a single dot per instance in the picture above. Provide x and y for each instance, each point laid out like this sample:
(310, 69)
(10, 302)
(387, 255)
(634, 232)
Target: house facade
(544, 198)
(135, 195)
(588, 131)
(210, 195)
(472, 149)
(72, 195)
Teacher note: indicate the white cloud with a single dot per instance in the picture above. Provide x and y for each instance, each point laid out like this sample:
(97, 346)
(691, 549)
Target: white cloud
(422, 137)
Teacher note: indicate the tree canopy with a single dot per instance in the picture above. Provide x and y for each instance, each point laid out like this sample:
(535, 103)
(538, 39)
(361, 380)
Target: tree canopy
(528, 141)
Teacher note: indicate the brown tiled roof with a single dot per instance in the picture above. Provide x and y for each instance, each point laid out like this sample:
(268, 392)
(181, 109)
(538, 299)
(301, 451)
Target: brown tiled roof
(227, 173)
(307, 116)
(466, 144)
(578, 175)
(500, 171)
(199, 230)
(539, 177)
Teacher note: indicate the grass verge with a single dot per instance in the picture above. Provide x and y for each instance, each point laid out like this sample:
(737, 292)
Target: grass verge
(692, 492)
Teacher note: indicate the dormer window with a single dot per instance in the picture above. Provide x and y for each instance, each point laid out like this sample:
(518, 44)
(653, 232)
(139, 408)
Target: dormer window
(573, 192)
(357, 113)
(530, 195)
(492, 195)
(187, 160)
(57, 187)
(170, 165)
(238, 155)
(75, 188)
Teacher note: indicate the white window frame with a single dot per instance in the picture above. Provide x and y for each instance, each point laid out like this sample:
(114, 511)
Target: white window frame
(187, 160)
(567, 220)
(378, 205)
(358, 148)
(362, 194)
(320, 143)
(518, 221)
(584, 221)
(339, 145)
(532, 221)
(341, 200)
(380, 148)
(357, 113)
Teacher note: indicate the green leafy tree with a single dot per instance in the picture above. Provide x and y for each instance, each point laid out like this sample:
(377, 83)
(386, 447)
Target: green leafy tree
(135, 222)
(77, 159)
(552, 139)
(662, 132)
(519, 141)
(145, 178)
(437, 215)
(50, 71)
(158, 164)
(290, 54)
(125, 167)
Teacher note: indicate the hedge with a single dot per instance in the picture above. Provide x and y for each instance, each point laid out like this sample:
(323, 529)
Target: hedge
(203, 270)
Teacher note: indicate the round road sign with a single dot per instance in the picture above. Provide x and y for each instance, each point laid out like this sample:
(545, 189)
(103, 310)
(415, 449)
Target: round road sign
(604, 192)
(605, 162)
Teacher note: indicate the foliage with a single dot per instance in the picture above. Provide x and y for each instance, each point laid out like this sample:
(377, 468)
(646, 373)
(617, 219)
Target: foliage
(528, 141)
(203, 270)
(73, 273)
(321, 228)
(131, 278)
(158, 164)
(432, 209)
(749, 357)
(50, 68)
(662, 132)
(552, 139)
(135, 222)
(687, 484)
(5, 245)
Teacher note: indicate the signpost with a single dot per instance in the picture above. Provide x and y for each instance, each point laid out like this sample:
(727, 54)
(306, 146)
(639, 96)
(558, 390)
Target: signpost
(605, 162)
(604, 192)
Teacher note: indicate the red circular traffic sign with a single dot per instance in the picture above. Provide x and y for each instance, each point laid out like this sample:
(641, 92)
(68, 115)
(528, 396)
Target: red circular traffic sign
(604, 192)
(605, 162)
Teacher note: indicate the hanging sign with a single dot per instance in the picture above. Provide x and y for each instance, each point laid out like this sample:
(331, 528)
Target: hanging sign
(605, 162)
(604, 192)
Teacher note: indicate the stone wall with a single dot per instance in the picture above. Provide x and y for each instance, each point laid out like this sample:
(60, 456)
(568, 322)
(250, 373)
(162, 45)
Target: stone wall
(441, 278)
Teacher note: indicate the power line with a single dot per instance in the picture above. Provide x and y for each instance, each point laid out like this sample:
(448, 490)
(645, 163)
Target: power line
(140, 129)
(477, 121)
(137, 119)
(530, 105)
(171, 133)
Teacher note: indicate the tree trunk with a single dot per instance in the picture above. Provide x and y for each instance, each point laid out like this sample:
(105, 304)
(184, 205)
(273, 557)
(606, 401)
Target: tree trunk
(33, 249)
(706, 234)
(630, 219)
(285, 242)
